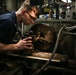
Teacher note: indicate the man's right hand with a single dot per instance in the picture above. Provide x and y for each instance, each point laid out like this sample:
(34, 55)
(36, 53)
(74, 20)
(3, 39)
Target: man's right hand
(25, 44)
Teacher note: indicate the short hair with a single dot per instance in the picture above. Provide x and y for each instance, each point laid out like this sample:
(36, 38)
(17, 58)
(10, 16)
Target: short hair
(26, 6)
(29, 8)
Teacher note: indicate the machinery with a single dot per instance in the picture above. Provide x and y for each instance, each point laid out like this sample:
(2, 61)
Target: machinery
(45, 37)
(54, 49)
(53, 53)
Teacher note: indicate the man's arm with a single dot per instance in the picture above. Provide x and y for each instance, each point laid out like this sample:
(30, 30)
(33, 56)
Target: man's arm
(8, 47)
(21, 45)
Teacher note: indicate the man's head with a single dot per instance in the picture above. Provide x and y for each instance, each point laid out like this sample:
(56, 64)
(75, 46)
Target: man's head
(27, 13)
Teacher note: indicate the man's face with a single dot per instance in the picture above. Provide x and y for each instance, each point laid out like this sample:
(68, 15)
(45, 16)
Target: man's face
(29, 17)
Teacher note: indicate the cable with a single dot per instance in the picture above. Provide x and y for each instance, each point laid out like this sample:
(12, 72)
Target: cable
(70, 33)
(71, 28)
(34, 67)
(34, 73)
(53, 53)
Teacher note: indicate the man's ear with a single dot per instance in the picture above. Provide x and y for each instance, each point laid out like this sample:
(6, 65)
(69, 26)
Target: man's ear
(23, 11)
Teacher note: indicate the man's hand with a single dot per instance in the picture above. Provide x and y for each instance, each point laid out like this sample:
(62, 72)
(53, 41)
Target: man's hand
(25, 43)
